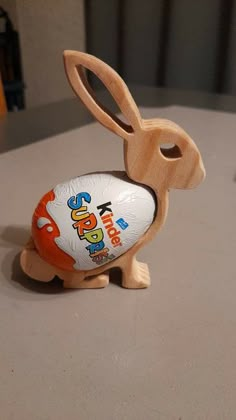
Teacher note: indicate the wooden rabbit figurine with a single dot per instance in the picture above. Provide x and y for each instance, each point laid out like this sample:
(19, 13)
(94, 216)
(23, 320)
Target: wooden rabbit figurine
(78, 231)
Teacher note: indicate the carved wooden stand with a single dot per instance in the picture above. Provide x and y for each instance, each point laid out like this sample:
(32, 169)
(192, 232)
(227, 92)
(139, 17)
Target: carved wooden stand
(147, 161)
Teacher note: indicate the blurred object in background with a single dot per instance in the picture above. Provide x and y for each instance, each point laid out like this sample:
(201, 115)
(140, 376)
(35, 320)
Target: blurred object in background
(10, 64)
(46, 28)
(3, 105)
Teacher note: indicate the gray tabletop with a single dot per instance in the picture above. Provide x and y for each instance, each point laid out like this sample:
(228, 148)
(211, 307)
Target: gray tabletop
(25, 127)
(164, 353)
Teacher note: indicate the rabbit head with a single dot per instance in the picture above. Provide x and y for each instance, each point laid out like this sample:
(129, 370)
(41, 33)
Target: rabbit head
(147, 160)
(169, 158)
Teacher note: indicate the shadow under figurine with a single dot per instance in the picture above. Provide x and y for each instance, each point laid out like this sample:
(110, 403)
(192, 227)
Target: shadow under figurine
(90, 224)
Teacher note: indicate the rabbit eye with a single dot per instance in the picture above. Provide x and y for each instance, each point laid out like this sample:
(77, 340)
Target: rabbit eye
(170, 151)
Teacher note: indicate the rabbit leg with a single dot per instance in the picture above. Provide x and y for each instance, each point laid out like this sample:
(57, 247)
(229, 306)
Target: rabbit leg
(78, 281)
(135, 275)
(34, 266)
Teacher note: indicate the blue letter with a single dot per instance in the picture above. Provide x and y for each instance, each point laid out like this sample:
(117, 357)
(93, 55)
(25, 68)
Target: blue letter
(75, 202)
(95, 247)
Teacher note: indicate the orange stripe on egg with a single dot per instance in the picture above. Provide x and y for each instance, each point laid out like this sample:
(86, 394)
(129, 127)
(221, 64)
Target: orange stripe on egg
(44, 237)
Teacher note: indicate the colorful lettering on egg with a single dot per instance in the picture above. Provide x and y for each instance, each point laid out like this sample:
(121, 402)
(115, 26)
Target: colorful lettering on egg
(108, 223)
(85, 223)
(122, 223)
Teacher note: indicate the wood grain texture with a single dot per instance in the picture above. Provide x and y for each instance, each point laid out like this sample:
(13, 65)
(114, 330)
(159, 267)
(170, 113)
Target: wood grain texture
(147, 161)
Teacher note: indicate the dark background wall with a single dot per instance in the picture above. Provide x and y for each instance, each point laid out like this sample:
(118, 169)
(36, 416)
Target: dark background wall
(184, 44)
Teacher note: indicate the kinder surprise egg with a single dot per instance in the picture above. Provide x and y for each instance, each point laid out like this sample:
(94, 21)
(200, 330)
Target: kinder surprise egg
(91, 220)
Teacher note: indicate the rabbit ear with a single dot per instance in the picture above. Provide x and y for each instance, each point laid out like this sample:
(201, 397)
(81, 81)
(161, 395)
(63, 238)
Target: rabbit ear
(75, 62)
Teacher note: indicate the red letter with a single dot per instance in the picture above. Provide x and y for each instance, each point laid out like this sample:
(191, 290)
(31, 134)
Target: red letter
(85, 224)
